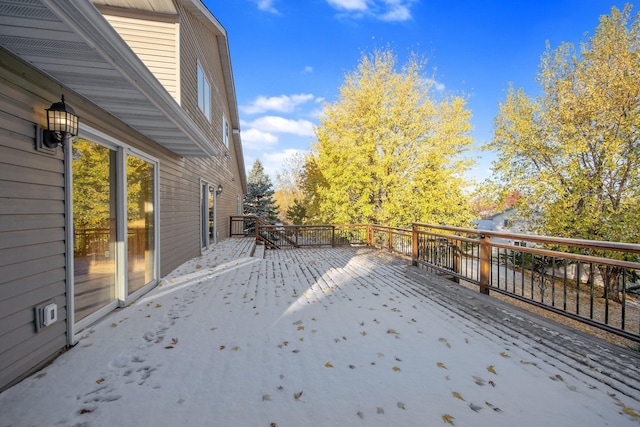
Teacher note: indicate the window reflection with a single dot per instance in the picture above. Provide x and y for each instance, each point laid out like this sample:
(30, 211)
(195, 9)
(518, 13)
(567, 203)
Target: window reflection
(94, 223)
(140, 223)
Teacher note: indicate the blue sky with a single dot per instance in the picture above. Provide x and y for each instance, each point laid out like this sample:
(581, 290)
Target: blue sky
(291, 56)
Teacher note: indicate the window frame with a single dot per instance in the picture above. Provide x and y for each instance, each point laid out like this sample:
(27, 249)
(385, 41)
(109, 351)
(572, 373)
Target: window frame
(204, 92)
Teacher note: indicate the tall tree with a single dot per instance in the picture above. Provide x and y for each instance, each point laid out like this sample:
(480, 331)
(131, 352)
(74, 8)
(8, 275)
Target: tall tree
(259, 198)
(574, 150)
(289, 183)
(388, 151)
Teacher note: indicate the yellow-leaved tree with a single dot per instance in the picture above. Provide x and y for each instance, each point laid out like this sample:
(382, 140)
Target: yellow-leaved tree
(573, 151)
(389, 150)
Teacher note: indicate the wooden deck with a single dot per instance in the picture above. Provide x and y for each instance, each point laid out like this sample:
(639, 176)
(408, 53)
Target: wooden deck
(321, 337)
(319, 271)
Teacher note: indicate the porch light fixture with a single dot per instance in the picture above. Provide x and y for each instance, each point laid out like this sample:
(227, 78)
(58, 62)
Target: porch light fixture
(219, 190)
(62, 122)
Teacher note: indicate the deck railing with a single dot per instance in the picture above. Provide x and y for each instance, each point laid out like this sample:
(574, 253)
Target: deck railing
(597, 283)
(590, 281)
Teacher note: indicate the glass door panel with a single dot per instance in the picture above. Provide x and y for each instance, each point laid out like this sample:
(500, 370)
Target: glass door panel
(94, 223)
(140, 223)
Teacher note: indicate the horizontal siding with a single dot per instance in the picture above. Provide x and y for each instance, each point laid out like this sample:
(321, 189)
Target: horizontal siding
(32, 237)
(155, 42)
(32, 256)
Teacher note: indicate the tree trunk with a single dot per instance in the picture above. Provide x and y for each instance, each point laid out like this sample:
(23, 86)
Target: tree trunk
(610, 277)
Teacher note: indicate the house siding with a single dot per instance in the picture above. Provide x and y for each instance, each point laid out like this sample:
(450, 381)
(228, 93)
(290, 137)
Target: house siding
(33, 267)
(32, 239)
(155, 38)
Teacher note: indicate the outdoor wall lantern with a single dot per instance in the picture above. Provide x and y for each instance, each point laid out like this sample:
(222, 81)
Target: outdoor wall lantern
(219, 190)
(62, 122)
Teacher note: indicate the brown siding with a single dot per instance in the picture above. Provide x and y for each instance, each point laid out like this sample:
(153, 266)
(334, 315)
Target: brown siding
(32, 247)
(154, 38)
(32, 228)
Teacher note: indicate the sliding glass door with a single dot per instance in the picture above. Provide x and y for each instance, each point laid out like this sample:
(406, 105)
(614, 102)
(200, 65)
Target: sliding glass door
(114, 199)
(94, 223)
(140, 223)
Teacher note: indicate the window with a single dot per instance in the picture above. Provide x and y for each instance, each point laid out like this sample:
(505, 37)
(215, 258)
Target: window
(225, 131)
(204, 93)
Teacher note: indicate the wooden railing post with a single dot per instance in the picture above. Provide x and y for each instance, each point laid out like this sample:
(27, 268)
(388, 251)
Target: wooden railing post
(485, 263)
(414, 245)
(390, 239)
(333, 236)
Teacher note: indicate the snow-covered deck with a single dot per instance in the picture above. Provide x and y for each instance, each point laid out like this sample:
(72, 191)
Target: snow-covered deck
(326, 337)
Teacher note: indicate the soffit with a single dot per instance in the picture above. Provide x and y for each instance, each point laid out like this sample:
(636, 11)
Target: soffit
(72, 42)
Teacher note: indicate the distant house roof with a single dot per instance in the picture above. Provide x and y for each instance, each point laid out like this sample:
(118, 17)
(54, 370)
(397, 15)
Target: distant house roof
(71, 41)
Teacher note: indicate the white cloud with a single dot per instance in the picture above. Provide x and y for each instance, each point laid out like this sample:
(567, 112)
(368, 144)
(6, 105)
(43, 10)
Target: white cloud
(255, 139)
(273, 162)
(350, 5)
(385, 10)
(308, 69)
(397, 10)
(277, 124)
(435, 85)
(282, 103)
(266, 5)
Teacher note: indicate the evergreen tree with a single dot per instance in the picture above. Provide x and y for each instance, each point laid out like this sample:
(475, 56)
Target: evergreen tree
(259, 199)
(296, 212)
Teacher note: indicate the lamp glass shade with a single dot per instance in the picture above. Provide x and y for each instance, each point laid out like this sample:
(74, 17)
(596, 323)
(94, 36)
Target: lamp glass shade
(62, 119)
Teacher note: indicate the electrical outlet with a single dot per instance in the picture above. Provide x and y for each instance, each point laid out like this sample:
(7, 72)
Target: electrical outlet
(46, 315)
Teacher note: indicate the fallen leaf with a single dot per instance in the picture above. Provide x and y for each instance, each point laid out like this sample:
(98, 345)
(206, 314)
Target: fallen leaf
(444, 340)
(113, 325)
(396, 369)
(491, 369)
(448, 419)
(492, 384)
(301, 328)
(328, 365)
(631, 412)
(505, 355)
(222, 347)
(297, 396)
(99, 380)
(379, 410)
(457, 395)
(158, 305)
(360, 414)
(198, 266)
(441, 365)
(180, 401)
(392, 331)
(266, 398)
(363, 333)
(236, 348)
(478, 380)
(401, 405)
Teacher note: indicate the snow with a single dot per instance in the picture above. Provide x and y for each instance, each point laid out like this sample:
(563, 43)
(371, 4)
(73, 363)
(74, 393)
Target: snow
(311, 337)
